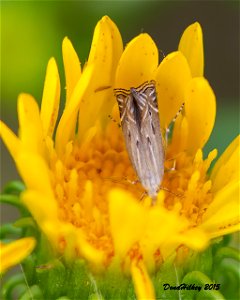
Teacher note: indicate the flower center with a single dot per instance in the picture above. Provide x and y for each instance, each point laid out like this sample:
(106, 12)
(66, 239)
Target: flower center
(88, 171)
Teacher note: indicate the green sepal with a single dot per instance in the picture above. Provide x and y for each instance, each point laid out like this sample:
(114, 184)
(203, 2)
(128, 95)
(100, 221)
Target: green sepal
(28, 226)
(112, 285)
(15, 201)
(226, 270)
(169, 273)
(95, 297)
(200, 261)
(199, 280)
(9, 231)
(9, 286)
(226, 252)
(33, 292)
(51, 277)
(14, 187)
(28, 265)
(44, 252)
(25, 222)
(78, 280)
(229, 276)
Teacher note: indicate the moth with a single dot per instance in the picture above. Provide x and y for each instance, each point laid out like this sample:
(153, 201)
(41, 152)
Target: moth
(143, 138)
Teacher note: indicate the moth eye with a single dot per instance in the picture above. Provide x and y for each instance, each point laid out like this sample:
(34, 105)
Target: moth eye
(153, 128)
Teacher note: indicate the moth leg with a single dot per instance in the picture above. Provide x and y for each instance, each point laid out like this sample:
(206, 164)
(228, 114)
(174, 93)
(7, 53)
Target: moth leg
(144, 194)
(167, 132)
(170, 192)
(173, 168)
(132, 181)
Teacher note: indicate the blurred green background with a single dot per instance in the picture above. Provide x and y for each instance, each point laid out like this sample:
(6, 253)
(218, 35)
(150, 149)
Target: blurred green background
(32, 32)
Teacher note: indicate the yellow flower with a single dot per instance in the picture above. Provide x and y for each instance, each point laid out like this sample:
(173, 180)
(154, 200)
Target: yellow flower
(14, 252)
(79, 186)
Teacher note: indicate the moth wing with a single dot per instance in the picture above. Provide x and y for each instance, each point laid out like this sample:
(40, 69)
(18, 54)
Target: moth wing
(152, 142)
(132, 135)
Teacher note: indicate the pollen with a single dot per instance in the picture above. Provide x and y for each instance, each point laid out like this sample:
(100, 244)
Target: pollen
(84, 175)
(82, 178)
(189, 186)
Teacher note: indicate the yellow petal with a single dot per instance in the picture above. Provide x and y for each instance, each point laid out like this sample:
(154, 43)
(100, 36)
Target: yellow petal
(95, 84)
(91, 254)
(13, 253)
(67, 123)
(180, 136)
(172, 77)
(10, 139)
(45, 212)
(222, 215)
(35, 172)
(194, 238)
(30, 125)
(138, 62)
(191, 45)
(200, 109)
(105, 52)
(50, 98)
(142, 283)
(174, 231)
(72, 66)
(226, 169)
(126, 220)
(41, 206)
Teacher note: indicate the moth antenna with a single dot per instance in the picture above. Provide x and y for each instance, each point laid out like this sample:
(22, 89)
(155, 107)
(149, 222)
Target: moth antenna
(163, 54)
(178, 113)
(167, 130)
(102, 88)
(115, 121)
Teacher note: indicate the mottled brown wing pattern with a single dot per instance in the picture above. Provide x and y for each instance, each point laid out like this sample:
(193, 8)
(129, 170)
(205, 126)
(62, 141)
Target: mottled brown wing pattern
(141, 128)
